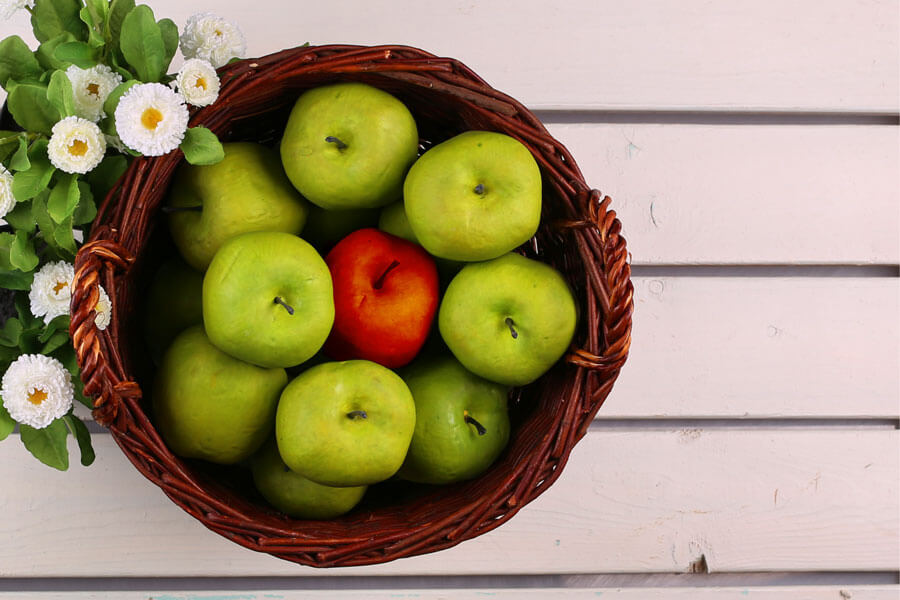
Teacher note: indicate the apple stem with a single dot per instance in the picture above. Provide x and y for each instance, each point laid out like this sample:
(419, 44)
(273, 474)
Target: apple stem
(380, 281)
(357, 414)
(512, 330)
(286, 306)
(333, 140)
(172, 209)
(479, 189)
(478, 426)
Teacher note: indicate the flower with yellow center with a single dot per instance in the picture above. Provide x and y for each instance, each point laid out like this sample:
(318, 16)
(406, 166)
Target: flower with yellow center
(151, 118)
(212, 38)
(37, 389)
(50, 292)
(76, 145)
(90, 88)
(198, 82)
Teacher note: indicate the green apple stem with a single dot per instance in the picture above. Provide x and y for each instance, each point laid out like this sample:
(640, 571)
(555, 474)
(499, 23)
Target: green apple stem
(286, 306)
(512, 329)
(380, 281)
(478, 426)
(357, 414)
(479, 189)
(173, 209)
(333, 140)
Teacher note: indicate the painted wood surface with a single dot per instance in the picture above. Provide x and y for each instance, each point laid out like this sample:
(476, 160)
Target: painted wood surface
(761, 347)
(653, 54)
(628, 502)
(845, 592)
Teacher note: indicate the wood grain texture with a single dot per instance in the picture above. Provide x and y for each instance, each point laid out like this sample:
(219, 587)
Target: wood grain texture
(759, 347)
(847, 592)
(653, 54)
(747, 194)
(630, 501)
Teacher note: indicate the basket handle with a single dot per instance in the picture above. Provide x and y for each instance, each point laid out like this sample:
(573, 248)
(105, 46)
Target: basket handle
(97, 351)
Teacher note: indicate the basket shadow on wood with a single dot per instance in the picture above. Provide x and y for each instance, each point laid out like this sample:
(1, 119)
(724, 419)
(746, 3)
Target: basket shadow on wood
(579, 235)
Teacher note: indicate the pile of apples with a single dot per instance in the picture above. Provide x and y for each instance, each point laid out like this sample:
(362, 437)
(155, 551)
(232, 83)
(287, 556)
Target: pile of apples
(329, 354)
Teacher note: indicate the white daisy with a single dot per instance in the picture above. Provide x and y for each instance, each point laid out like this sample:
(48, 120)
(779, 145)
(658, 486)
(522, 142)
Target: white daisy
(103, 308)
(9, 7)
(7, 200)
(212, 38)
(37, 389)
(151, 118)
(90, 88)
(198, 82)
(51, 290)
(76, 145)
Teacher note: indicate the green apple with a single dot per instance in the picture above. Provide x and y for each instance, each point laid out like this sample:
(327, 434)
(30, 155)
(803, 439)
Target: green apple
(349, 145)
(212, 406)
(174, 303)
(474, 197)
(246, 191)
(462, 422)
(345, 423)
(294, 494)
(325, 228)
(508, 319)
(267, 299)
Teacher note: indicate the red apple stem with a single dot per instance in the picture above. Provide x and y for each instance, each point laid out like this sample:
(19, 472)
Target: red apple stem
(357, 414)
(380, 281)
(286, 306)
(512, 329)
(479, 189)
(478, 426)
(173, 209)
(333, 140)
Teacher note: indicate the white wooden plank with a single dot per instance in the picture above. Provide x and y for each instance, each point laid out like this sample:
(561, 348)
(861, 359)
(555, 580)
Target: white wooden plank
(761, 347)
(833, 592)
(629, 501)
(738, 194)
(653, 54)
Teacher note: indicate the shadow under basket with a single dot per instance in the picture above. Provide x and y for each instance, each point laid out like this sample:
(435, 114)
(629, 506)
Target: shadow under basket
(578, 235)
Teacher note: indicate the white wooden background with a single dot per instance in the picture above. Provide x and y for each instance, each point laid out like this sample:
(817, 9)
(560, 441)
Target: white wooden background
(750, 448)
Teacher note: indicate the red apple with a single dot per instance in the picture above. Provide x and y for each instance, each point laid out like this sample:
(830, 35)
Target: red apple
(385, 298)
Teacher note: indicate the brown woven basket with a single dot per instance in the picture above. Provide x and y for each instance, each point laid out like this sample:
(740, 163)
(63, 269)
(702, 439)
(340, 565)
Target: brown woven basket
(579, 235)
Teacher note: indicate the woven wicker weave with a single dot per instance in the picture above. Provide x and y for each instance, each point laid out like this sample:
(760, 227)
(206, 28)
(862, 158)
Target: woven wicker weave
(579, 235)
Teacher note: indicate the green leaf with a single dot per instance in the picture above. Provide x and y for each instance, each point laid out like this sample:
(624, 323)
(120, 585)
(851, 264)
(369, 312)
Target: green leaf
(11, 333)
(170, 39)
(64, 239)
(66, 355)
(29, 106)
(39, 212)
(94, 21)
(118, 10)
(142, 44)
(57, 325)
(78, 54)
(202, 147)
(20, 217)
(63, 198)
(56, 340)
(46, 52)
(112, 101)
(50, 18)
(48, 445)
(60, 95)
(20, 160)
(86, 209)
(83, 437)
(28, 184)
(15, 279)
(17, 61)
(7, 424)
(21, 254)
(9, 142)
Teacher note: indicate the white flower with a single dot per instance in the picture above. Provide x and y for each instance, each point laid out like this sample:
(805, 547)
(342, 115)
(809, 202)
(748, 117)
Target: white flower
(103, 308)
(212, 38)
(9, 7)
(151, 118)
(198, 82)
(76, 145)
(51, 290)
(36, 390)
(91, 87)
(7, 200)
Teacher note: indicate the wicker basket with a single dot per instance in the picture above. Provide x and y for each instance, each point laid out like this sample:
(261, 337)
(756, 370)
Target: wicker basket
(579, 235)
